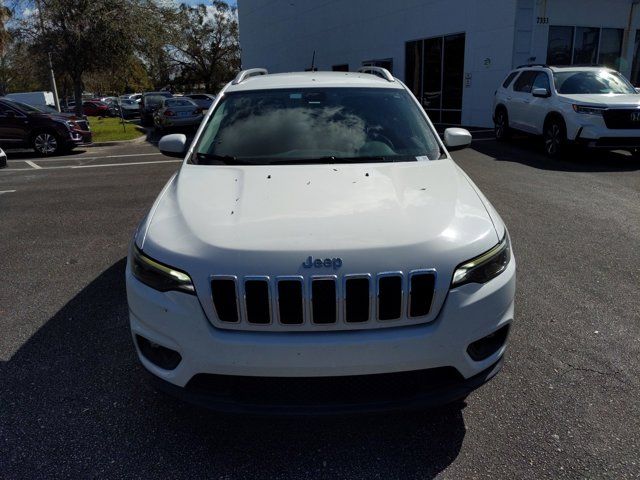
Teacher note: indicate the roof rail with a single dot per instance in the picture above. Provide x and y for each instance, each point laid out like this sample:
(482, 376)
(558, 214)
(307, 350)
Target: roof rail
(252, 72)
(599, 65)
(378, 71)
(533, 65)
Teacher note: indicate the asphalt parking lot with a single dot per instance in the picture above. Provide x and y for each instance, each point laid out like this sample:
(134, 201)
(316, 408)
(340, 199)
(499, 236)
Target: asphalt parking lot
(74, 402)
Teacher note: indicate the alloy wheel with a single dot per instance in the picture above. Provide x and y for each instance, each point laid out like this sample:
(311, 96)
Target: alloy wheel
(45, 143)
(553, 139)
(499, 125)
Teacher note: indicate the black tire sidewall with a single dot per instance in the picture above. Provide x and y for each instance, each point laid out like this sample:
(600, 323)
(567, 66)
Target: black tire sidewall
(563, 137)
(505, 128)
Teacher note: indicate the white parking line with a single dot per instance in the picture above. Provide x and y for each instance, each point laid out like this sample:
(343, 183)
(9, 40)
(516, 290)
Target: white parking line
(90, 166)
(71, 157)
(120, 164)
(32, 164)
(6, 191)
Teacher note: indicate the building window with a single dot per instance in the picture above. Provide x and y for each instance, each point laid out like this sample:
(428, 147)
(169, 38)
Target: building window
(635, 69)
(413, 66)
(434, 72)
(560, 46)
(610, 47)
(343, 67)
(584, 46)
(384, 63)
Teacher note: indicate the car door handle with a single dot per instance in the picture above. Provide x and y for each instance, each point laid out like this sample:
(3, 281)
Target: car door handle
(527, 101)
(508, 98)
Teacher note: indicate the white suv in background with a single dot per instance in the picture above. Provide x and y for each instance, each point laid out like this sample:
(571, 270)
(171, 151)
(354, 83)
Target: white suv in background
(592, 106)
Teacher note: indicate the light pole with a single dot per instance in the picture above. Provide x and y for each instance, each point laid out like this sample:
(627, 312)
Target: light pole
(52, 75)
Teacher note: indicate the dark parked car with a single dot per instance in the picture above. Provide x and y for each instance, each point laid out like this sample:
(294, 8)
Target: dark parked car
(130, 108)
(149, 103)
(47, 132)
(95, 108)
(203, 100)
(177, 112)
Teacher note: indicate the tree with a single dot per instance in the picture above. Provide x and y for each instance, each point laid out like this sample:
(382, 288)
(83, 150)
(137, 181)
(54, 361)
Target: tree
(207, 49)
(87, 36)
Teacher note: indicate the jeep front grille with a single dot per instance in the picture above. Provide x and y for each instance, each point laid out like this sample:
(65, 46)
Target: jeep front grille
(323, 302)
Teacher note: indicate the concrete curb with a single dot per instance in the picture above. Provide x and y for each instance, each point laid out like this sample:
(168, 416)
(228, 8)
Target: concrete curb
(140, 139)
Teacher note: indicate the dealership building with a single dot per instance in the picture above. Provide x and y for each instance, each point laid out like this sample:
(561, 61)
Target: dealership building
(451, 53)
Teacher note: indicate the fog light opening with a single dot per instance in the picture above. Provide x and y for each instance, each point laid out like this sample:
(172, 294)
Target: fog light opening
(163, 357)
(487, 346)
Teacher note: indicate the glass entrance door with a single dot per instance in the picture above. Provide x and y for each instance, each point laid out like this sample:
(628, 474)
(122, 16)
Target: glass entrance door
(434, 72)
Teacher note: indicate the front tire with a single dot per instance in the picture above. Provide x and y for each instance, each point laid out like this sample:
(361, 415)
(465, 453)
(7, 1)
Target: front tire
(501, 125)
(46, 144)
(555, 138)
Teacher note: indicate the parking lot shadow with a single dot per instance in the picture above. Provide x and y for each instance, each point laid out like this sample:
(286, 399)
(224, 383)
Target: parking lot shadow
(528, 151)
(75, 403)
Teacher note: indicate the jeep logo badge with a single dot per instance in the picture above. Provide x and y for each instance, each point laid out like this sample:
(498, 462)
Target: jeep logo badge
(310, 262)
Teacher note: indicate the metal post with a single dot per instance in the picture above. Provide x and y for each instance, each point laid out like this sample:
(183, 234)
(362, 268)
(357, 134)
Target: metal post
(54, 87)
(52, 75)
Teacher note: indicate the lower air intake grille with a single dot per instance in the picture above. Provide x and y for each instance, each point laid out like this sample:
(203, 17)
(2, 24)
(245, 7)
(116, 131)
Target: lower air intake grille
(323, 390)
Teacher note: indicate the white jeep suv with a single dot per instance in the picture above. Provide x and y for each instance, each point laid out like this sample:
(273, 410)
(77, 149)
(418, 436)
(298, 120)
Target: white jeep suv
(319, 250)
(592, 106)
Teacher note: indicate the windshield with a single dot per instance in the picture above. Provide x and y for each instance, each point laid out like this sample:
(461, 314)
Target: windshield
(153, 99)
(316, 125)
(585, 82)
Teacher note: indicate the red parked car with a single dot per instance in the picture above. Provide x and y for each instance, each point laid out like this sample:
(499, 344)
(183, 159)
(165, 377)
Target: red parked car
(95, 108)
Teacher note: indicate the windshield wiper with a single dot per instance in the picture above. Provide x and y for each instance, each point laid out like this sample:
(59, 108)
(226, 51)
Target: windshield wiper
(213, 159)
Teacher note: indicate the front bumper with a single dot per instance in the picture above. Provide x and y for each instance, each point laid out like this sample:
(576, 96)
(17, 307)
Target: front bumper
(328, 395)
(591, 131)
(176, 321)
(79, 137)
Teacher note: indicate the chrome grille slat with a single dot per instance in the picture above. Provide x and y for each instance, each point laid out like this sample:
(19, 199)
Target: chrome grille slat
(259, 305)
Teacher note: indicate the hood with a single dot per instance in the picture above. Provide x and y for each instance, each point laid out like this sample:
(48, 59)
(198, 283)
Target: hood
(617, 100)
(267, 220)
(60, 116)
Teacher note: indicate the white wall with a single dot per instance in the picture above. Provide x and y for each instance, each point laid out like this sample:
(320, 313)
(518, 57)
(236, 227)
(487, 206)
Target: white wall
(281, 35)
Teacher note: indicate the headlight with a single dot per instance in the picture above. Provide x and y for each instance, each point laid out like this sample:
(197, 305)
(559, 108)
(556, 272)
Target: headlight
(588, 110)
(70, 124)
(158, 276)
(485, 267)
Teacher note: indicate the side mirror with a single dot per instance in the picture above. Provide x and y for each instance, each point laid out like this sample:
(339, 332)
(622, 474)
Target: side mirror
(174, 145)
(456, 138)
(540, 92)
